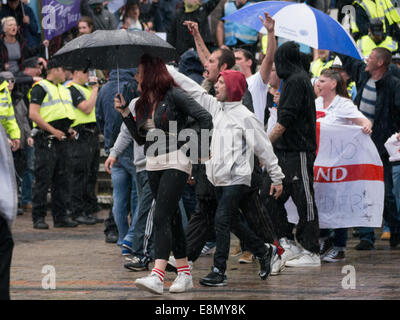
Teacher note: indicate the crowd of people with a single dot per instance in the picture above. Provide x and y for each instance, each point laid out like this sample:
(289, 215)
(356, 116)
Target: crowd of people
(228, 78)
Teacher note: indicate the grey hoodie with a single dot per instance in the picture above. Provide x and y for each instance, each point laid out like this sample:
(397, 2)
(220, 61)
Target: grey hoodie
(8, 185)
(236, 138)
(123, 141)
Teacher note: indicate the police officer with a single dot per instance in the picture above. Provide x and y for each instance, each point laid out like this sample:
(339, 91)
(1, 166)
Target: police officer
(376, 38)
(85, 150)
(367, 10)
(52, 112)
(324, 61)
(7, 116)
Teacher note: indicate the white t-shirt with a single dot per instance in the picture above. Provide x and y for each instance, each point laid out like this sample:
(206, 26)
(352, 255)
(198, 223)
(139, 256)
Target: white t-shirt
(258, 90)
(392, 146)
(340, 111)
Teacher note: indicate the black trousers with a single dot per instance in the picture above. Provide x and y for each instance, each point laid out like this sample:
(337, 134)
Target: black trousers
(167, 187)
(50, 172)
(84, 164)
(200, 227)
(227, 219)
(6, 248)
(298, 168)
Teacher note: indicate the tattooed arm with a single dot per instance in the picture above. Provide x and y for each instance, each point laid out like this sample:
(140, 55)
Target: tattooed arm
(276, 132)
(201, 47)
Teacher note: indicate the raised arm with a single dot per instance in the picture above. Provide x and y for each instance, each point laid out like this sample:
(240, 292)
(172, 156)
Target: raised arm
(198, 93)
(266, 65)
(201, 47)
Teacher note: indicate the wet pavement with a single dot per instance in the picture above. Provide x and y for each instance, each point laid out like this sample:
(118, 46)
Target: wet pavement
(77, 264)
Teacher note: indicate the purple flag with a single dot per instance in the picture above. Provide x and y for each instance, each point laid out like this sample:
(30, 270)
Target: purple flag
(58, 16)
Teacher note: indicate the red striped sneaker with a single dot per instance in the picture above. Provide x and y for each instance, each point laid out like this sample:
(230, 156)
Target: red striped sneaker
(151, 283)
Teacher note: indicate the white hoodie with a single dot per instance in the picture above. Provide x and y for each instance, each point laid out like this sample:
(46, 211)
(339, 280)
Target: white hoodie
(237, 136)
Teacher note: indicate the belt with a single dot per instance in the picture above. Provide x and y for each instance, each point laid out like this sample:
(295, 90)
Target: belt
(86, 128)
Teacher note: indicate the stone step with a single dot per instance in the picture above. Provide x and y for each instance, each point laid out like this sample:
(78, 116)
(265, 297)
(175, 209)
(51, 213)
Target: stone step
(105, 199)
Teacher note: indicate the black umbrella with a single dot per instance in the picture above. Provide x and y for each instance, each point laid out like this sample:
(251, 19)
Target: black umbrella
(113, 49)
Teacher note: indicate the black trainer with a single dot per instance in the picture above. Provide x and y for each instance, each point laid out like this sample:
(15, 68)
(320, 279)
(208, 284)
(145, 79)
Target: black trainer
(364, 245)
(65, 222)
(325, 247)
(394, 240)
(356, 233)
(40, 224)
(136, 264)
(266, 261)
(111, 236)
(95, 218)
(84, 219)
(214, 279)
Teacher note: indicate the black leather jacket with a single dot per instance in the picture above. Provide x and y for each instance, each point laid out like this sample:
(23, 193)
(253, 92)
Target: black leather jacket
(177, 111)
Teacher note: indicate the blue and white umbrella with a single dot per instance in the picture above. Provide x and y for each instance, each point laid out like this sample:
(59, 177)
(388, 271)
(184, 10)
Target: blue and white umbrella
(301, 23)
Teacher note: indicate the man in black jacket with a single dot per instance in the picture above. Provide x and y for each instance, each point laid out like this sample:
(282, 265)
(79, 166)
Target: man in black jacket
(294, 140)
(179, 36)
(378, 98)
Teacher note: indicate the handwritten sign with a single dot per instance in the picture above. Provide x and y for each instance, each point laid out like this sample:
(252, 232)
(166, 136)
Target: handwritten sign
(348, 179)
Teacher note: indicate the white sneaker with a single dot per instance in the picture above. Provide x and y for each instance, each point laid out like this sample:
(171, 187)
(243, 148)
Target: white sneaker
(182, 283)
(306, 259)
(278, 266)
(150, 283)
(292, 251)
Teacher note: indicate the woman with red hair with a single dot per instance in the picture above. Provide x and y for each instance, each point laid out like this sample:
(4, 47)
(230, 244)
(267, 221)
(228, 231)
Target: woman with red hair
(162, 112)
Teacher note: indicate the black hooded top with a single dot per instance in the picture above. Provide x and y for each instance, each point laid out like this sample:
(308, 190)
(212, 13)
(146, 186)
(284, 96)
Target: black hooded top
(296, 110)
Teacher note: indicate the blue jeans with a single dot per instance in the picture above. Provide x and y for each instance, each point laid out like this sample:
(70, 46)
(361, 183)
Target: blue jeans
(339, 237)
(124, 190)
(396, 188)
(28, 177)
(390, 211)
(189, 200)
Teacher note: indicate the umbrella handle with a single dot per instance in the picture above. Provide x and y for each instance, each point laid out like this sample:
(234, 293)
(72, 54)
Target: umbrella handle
(118, 77)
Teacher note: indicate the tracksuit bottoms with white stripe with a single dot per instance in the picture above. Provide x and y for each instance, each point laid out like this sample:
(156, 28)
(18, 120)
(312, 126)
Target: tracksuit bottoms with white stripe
(298, 184)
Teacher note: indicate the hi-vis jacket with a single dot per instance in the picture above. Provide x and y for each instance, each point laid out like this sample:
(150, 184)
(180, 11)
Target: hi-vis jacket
(81, 117)
(57, 104)
(237, 136)
(377, 9)
(318, 65)
(7, 116)
(366, 44)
